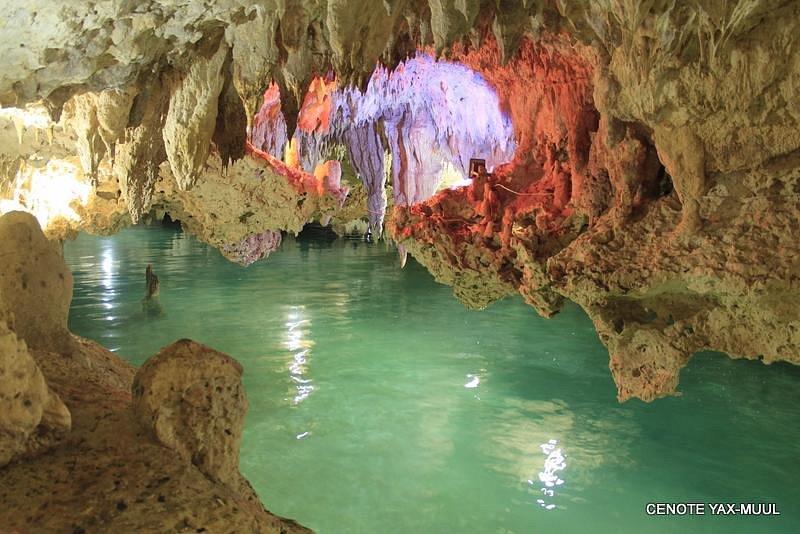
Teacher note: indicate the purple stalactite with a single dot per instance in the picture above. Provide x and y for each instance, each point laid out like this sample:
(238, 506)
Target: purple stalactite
(432, 114)
(366, 149)
(435, 113)
(269, 125)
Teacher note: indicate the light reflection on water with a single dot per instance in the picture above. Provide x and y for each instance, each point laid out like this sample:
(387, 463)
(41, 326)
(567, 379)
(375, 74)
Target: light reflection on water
(299, 345)
(377, 403)
(548, 476)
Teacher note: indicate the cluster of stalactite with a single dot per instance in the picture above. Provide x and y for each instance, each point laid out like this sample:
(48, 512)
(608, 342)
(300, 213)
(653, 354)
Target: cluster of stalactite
(430, 116)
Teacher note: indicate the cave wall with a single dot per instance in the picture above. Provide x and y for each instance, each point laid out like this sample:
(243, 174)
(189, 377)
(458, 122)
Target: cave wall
(676, 236)
(655, 180)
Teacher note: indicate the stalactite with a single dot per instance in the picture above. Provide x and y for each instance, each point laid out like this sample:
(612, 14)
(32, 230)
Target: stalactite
(269, 124)
(435, 115)
(366, 151)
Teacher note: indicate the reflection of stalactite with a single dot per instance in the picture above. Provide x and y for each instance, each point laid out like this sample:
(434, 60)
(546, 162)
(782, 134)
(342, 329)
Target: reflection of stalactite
(253, 247)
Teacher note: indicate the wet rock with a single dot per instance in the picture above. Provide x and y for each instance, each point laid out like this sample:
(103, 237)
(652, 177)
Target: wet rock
(191, 398)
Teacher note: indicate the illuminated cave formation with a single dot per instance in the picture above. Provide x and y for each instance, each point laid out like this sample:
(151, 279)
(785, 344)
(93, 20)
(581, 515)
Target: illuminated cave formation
(643, 156)
(639, 157)
(493, 237)
(431, 116)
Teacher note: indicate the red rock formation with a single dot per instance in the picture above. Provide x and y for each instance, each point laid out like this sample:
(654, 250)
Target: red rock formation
(528, 209)
(574, 175)
(315, 114)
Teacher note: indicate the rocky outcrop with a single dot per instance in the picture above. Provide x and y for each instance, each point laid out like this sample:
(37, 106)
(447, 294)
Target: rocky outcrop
(165, 459)
(192, 116)
(32, 416)
(237, 206)
(109, 474)
(190, 397)
(240, 208)
(35, 283)
(35, 292)
(644, 215)
(98, 120)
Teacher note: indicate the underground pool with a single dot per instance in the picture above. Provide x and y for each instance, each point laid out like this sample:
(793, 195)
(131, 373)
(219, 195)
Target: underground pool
(378, 403)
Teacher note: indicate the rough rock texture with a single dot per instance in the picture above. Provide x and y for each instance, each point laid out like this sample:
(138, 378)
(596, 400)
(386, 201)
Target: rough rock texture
(35, 283)
(98, 120)
(35, 290)
(230, 203)
(192, 116)
(32, 417)
(191, 398)
(109, 474)
(655, 180)
(103, 470)
(651, 208)
(254, 196)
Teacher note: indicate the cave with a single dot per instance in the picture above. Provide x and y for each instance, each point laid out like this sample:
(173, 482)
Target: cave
(345, 266)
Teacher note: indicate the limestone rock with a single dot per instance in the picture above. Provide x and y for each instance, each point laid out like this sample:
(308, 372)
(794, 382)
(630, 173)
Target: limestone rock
(109, 475)
(35, 283)
(32, 417)
(255, 54)
(192, 116)
(656, 164)
(137, 161)
(192, 399)
(230, 205)
(99, 120)
(683, 155)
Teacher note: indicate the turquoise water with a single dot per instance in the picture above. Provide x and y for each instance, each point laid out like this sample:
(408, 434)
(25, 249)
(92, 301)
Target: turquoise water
(379, 404)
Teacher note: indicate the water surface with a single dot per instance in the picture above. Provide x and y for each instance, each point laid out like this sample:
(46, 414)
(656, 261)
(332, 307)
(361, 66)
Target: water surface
(379, 404)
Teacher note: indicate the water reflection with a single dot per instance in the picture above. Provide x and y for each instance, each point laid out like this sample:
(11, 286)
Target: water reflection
(473, 381)
(548, 476)
(107, 265)
(394, 441)
(300, 346)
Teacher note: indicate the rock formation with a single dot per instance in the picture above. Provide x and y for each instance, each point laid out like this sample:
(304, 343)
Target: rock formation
(654, 179)
(32, 416)
(79, 453)
(35, 283)
(191, 398)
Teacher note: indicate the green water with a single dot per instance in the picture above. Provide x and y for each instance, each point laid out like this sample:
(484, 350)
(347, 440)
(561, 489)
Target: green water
(378, 404)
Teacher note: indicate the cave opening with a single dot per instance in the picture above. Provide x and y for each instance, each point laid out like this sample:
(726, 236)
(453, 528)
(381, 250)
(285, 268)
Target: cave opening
(168, 222)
